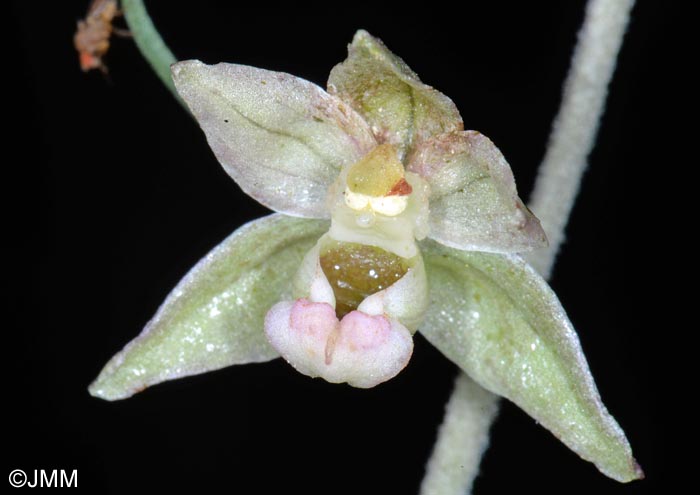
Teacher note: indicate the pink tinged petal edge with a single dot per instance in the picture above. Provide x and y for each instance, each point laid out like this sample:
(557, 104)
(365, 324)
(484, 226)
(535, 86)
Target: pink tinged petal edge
(474, 204)
(360, 349)
(282, 139)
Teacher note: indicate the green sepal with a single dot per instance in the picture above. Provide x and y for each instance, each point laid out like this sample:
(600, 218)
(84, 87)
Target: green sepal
(499, 321)
(214, 317)
(283, 140)
(474, 204)
(380, 86)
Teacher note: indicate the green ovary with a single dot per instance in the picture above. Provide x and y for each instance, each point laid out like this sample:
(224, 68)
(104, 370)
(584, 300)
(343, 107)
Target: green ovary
(356, 271)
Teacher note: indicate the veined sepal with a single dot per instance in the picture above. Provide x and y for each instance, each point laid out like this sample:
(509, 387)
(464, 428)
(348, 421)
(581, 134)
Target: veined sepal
(214, 317)
(499, 321)
(282, 139)
(400, 109)
(474, 204)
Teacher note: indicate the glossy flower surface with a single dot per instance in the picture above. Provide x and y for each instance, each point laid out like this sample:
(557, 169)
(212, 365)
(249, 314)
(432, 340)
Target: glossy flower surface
(391, 219)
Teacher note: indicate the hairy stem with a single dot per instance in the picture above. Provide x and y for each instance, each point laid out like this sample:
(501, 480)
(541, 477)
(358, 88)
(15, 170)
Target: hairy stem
(149, 42)
(462, 439)
(463, 436)
(575, 127)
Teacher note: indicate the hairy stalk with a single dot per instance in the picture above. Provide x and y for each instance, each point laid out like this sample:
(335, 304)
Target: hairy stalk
(149, 42)
(463, 436)
(462, 439)
(575, 127)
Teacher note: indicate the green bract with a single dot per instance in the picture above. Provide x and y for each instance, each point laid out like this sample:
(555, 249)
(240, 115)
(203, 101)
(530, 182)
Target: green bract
(450, 216)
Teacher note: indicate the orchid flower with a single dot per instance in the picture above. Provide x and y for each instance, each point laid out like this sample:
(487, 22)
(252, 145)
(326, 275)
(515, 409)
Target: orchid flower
(391, 219)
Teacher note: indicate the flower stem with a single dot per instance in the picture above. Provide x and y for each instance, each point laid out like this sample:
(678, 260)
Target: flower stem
(575, 127)
(150, 43)
(463, 435)
(462, 439)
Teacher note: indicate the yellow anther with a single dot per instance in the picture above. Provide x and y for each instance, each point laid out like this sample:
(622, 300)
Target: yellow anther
(377, 173)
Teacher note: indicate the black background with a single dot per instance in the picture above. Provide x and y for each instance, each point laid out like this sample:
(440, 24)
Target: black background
(113, 194)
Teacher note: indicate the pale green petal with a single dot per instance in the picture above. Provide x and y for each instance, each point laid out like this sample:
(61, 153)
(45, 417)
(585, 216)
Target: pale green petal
(388, 94)
(474, 204)
(214, 317)
(499, 321)
(281, 138)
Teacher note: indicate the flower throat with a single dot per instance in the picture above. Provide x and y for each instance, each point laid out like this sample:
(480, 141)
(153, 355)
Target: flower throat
(356, 271)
